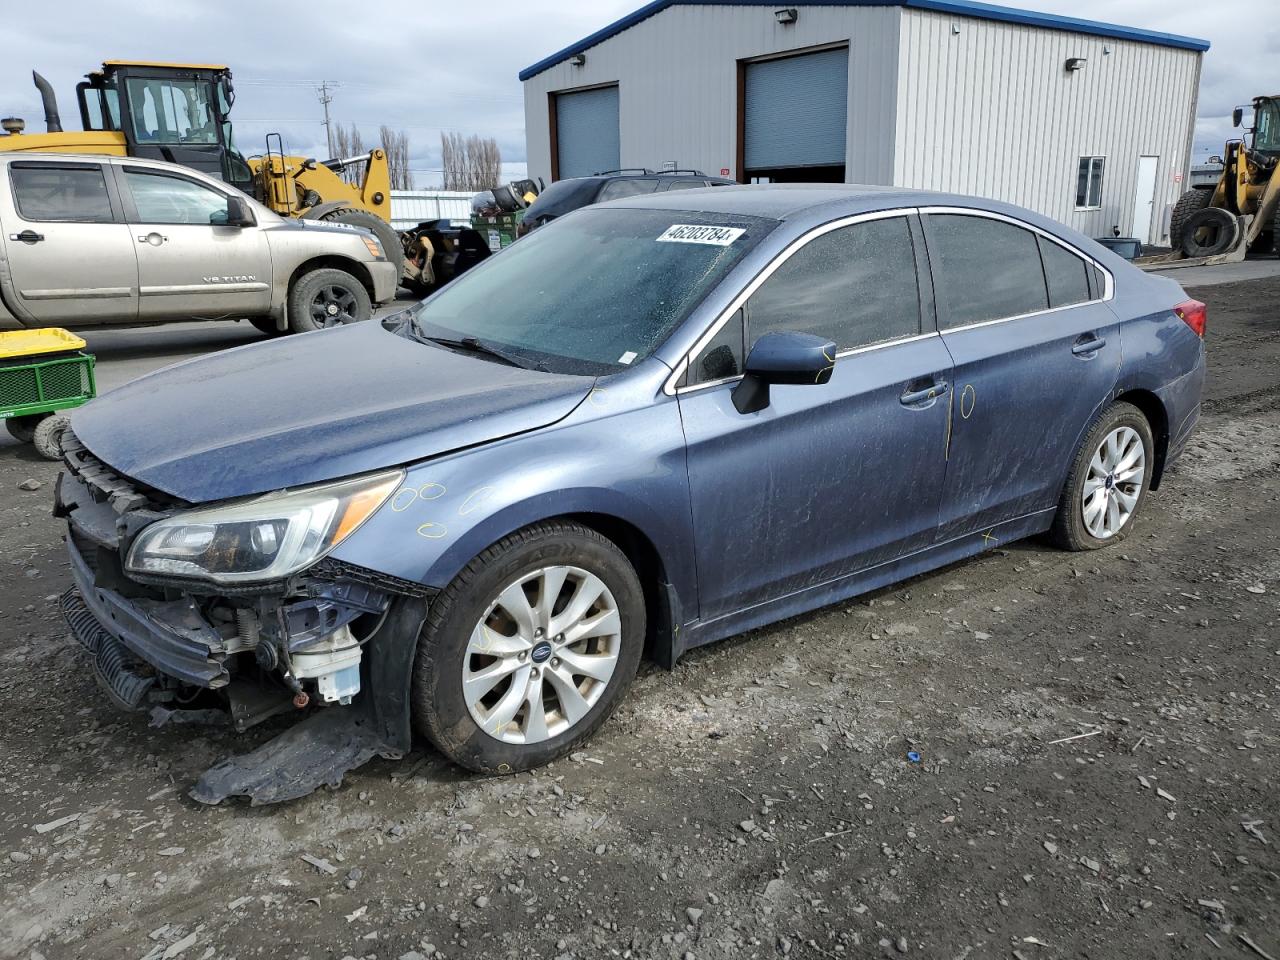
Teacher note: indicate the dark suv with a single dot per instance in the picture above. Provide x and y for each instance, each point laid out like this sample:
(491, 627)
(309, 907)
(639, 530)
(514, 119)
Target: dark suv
(565, 196)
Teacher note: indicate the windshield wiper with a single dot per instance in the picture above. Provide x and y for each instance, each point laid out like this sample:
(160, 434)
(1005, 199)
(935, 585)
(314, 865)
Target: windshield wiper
(472, 345)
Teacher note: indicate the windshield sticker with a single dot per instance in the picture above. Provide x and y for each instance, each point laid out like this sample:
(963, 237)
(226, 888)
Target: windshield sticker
(627, 357)
(700, 233)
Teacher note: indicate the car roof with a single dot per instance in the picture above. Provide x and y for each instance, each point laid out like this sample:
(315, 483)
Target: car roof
(780, 201)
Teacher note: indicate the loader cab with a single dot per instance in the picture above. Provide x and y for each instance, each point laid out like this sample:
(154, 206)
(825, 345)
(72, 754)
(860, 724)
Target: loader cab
(174, 112)
(1266, 126)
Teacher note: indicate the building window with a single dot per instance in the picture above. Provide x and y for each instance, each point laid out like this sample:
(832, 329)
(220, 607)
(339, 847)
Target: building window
(1089, 183)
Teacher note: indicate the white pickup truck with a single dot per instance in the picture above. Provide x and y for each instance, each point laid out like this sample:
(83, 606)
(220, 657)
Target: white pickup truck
(90, 241)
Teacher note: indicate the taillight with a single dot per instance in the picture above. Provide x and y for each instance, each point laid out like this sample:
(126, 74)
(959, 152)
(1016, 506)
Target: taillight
(1193, 314)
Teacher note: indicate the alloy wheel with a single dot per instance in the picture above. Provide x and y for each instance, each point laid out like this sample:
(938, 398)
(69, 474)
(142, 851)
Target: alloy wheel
(542, 655)
(333, 305)
(1114, 482)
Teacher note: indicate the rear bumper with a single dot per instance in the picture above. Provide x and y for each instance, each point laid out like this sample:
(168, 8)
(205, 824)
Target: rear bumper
(385, 280)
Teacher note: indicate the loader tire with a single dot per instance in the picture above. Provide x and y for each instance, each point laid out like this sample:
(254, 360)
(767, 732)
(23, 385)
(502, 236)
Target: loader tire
(1190, 202)
(1209, 232)
(389, 239)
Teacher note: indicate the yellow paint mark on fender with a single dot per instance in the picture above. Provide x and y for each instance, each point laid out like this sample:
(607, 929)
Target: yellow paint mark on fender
(475, 499)
(432, 491)
(433, 531)
(989, 538)
(596, 397)
(968, 400)
(403, 499)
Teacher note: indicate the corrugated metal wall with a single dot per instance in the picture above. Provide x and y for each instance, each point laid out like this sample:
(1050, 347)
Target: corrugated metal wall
(677, 83)
(992, 111)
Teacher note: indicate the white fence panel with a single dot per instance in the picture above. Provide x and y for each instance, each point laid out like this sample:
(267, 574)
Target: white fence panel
(411, 207)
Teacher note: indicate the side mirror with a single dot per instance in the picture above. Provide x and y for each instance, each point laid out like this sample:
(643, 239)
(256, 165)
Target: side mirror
(238, 213)
(1237, 116)
(783, 358)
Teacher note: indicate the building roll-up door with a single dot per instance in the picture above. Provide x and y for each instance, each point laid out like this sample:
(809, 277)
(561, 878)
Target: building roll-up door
(587, 132)
(796, 113)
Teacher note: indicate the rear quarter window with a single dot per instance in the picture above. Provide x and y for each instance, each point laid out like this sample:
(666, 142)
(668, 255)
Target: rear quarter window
(984, 269)
(1066, 274)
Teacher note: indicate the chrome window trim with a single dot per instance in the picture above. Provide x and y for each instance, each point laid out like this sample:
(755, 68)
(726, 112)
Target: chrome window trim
(678, 371)
(1108, 292)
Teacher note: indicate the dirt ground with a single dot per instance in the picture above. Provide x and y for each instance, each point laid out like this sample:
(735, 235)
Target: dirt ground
(758, 801)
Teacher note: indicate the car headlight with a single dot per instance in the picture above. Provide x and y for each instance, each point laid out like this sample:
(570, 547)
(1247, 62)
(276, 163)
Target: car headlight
(265, 538)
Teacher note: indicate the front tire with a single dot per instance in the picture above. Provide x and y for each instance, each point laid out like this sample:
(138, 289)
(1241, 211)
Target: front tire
(327, 298)
(529, 650)
(1108, 481)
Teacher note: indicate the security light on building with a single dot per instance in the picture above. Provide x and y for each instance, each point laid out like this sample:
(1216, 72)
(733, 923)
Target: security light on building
(1086, 122)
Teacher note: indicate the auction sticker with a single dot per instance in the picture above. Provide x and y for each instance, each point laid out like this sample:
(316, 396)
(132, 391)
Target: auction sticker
(701, 233)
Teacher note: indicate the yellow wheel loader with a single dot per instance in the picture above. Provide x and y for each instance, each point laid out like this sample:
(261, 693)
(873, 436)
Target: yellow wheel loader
(1242, 211)
(180, 112)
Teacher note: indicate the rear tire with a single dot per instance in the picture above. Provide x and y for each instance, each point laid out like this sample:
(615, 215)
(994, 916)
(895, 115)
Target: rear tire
(1209, 232)
(327, 298)
(532, 724)
(23, 429)
(387, 236)
(1190, 202)
(1112, 469)
(48, 436)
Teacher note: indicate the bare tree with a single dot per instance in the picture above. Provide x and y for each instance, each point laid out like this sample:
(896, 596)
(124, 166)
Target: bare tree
(349, 143)
(395, 143)
(470, 163)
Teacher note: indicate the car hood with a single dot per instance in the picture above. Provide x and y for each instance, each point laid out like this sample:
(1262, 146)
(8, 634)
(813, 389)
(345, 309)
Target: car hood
(309, 408)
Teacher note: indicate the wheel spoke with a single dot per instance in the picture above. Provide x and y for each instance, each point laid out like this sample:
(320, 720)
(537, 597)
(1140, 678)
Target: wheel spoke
(1113, 515)
(535, 722)
(505, 710)
(1127, 500)
(1127, 476)
(597, 666)
(552, 583)
(603, 624)
(1092, 485)
(572, 704)
(1096, 467)
(488, 641)
(588, 592)
(514, 601)
(476, 685)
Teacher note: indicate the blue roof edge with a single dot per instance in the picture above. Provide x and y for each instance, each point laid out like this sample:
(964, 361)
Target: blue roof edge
(964, 8)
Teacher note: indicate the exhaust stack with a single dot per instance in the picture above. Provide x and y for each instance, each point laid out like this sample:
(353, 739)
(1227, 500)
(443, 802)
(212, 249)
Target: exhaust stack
(52, 122)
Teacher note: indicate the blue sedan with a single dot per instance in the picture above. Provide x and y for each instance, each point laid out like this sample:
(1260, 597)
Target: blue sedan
(647, 426)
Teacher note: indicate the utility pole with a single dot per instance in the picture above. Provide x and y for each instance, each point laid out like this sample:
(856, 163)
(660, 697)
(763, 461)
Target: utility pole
(326, 98)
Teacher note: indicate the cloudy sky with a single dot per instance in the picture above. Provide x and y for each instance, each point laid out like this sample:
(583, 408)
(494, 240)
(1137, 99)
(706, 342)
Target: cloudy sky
(430, 67)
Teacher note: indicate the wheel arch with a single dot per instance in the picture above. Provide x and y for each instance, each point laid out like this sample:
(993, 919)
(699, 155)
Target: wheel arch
(1153, 408)
(334, 262)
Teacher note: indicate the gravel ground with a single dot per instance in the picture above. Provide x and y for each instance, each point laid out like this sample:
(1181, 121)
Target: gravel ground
(1032, 754)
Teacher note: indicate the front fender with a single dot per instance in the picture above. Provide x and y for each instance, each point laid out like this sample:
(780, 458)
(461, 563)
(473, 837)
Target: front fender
(628, 465)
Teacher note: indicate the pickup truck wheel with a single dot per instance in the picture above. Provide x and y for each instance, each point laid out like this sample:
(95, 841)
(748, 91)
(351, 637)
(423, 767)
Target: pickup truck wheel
(23, 429)
(529, 649)
(327, 298)
(48, 436)
(389, 239)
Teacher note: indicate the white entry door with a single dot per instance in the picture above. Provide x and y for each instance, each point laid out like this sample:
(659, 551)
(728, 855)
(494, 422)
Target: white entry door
(1144, 198)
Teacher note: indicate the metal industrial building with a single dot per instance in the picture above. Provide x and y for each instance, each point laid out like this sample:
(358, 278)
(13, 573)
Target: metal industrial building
(1086, 122)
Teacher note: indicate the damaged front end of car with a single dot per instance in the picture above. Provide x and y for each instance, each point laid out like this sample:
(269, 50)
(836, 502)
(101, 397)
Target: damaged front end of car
(237, 608)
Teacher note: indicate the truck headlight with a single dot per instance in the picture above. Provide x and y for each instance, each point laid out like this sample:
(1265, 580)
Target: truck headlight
(264, 538)
(374, 247)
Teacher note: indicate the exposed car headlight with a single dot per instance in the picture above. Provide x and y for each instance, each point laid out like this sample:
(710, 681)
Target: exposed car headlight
(264, 538)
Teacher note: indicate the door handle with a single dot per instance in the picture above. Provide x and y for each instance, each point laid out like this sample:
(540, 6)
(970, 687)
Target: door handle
(1084, 348)
(931, 392)
(155, 239)
(27, 236)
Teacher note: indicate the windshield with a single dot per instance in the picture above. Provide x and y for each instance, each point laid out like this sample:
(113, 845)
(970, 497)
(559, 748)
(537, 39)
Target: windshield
(1266, 138)
(592, 292)
(171, 111)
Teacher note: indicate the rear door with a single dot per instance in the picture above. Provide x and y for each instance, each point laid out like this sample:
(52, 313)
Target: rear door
(1036, 352)
(190, 262)
(827, 479)
(69, 252)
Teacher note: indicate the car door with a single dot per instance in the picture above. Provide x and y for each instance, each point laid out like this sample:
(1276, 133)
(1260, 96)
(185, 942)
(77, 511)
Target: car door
(827, 479)
(69, 252)
(191, 263)
(1034, 360)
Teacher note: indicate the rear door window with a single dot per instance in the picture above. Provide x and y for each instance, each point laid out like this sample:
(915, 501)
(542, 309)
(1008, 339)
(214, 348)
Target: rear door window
(984, 269)
(49, 192)
(615, 189)
(1066, 274)
(855, 285)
